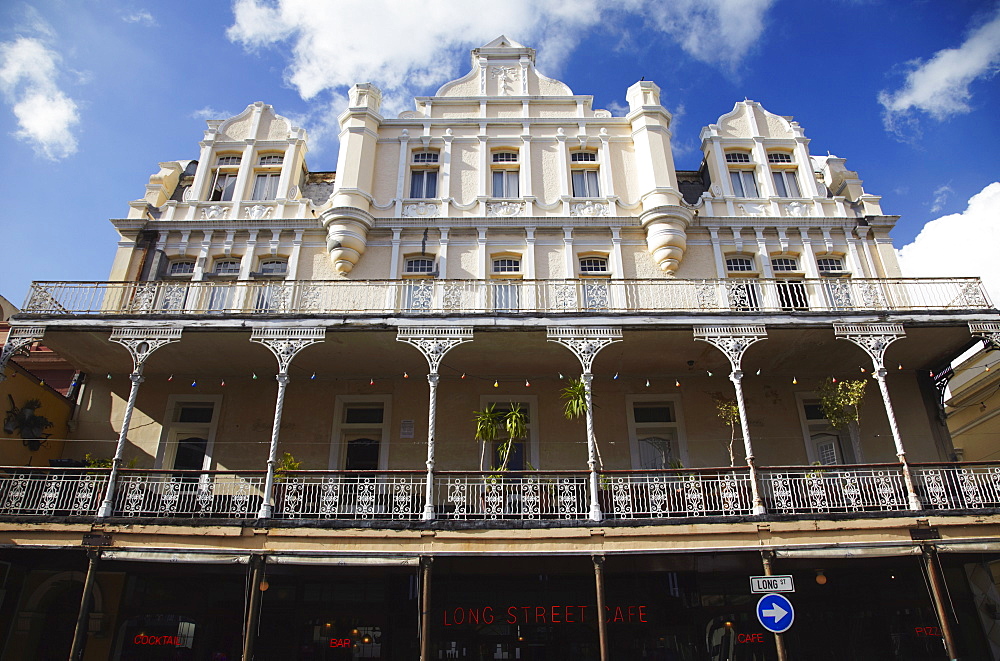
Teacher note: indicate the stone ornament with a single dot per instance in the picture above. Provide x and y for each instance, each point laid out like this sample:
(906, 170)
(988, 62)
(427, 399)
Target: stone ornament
(411, 114)
(753, 209)
(796, 209)
(258, 212)
(588, 209)
(505, 208)
(421, 210)
(214, 212)
(505, 76)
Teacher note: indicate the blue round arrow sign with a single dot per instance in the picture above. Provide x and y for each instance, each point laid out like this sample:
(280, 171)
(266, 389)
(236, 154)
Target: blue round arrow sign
(775, 612)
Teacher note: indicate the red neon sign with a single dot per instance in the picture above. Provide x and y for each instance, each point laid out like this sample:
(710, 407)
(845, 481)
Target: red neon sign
(552, 614)
(143, 639)
(340, 642)
(930, 632)
(749, 638)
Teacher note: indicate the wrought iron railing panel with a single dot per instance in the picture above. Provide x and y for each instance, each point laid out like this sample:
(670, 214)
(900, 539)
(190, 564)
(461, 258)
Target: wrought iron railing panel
(186, 494)
(513, 495)
(675, 493)
(958, 486)
(432, 296)
(53, 492)
(821, 489)
(393, 495)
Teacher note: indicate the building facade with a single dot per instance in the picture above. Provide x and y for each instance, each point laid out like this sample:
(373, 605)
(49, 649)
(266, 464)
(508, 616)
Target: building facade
(507, 385)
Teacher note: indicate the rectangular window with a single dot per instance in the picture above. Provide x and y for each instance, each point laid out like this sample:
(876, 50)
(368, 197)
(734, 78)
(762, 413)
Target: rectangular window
(779, 157)
(265, 186)
(786, 184)
(419, 265)
(425, 157)
(272, 159)
(824, 444)
(224, 187)
(785, 264)
(505, 157)
(229, 160)
(362, 433)
(740, 265)
(585, 183)
(744, 184)
(583, 157)
(827, 264)
(737, 157)
(189, 433)
(655, 434)
(423, 184)
(505, 183)
(593, 265)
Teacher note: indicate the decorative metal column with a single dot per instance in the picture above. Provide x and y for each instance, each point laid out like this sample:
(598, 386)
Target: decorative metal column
(20, 337)
(875, 339)
(434, 343)
(284, 343)
(141, 343)
(734, 341)
(585, 343)
(988, 330)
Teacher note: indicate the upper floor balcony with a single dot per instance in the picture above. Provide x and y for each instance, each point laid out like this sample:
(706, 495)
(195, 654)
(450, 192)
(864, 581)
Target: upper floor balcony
(419, 297)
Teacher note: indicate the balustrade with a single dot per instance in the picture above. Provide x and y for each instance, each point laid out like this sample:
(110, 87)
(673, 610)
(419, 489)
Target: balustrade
(430, 296)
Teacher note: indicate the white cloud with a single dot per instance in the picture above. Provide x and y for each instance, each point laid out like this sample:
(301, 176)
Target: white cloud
(209, 112)
(141, 16)
(409, 48)
(45, 115)
(941, 195)
(960, 244)
(939, 86)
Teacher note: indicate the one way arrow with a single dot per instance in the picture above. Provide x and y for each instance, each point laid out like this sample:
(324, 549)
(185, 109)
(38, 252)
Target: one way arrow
(776, 612)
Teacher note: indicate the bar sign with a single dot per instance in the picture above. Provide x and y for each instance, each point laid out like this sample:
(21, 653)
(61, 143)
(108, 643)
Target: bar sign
(771, 584)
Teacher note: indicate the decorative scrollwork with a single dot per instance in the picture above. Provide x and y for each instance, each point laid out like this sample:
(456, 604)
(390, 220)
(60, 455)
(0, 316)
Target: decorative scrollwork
(731, 340)
(505, 209)
(434, 343)
(590, 209)
(19, 339)
(873, 338)
(585, 343)
(285, 343)
(421, 210)
(142, 342)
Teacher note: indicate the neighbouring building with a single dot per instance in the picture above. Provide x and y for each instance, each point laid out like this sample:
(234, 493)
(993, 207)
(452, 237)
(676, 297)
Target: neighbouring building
(335, 405)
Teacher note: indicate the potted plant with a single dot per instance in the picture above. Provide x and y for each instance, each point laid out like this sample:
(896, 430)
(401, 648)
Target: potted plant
(729, 412)
(494, 424)
(283, 494)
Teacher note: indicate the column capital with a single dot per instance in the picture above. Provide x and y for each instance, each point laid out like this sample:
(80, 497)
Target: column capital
(286, 343)
(434, 343)
(19, 337)
(988, 330)
(731, 340)
(873, 338)
(585, 343)
(142, 342)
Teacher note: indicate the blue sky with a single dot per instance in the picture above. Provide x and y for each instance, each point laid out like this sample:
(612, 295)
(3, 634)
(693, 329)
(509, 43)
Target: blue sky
(94, 94)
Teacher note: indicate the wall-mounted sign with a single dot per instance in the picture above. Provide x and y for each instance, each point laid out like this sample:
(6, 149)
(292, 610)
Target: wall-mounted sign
(406, 428)
(772, 584)
(551, 614)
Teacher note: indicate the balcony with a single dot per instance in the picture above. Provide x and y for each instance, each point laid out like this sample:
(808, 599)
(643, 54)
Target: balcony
(504, 297)
(484, 500)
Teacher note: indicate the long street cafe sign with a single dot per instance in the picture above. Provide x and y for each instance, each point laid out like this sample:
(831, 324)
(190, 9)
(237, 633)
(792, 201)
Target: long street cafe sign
(548, 614)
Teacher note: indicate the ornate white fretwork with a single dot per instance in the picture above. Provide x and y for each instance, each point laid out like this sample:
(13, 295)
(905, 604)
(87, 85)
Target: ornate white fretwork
(505, 208)
(141, 342)
(285, 343)
(988, 330)
(588, 209)
(731, 340)
(585, 343)
(214, 212)
(421, 210)
(505, 76)
(434, 343)
(41, 300)
(873, 338)
(258, 212)
(20, 337)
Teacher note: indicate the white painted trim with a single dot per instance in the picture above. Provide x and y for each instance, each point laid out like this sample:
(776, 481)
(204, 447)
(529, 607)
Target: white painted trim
(338, 449)
(677, 425)
(167, 446)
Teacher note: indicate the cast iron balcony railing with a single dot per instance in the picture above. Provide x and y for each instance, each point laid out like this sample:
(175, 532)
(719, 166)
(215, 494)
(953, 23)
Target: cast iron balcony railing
(479, 498)
(499, 297)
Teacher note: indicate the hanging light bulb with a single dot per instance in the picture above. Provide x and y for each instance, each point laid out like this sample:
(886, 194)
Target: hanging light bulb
(496, 384)
(41, 382)
(647, 383)
(987, 368)
(616, 376)
(900, 366)
(862, 369)
(709, 373)
(372, 381)
(313, 377)
(677, 382)
(223, 382)
(795, 381)
(170, 378)
(758, 371)
(109, 375)
(463, 375)
(255, 376)
(833, 380)
(194, 383)
(405, 375)
(527, 384)
(560, 375)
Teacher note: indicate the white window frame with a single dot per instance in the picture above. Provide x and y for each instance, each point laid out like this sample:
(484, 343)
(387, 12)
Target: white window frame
(532, 455)
(730, 259)
(166, 450)
(843, 437)
(338, 449)
(786, 184)
(634, 428)
(265, 186)
(587, 269)
(423, 169)
(176, 274)
(741, 157)
(234, 265)
(414, 272)
(779, 158)
(739, 180)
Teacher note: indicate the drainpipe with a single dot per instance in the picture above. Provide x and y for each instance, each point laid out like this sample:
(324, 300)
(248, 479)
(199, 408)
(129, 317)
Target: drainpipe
(602, 626)
(939, 595)
(80, 632)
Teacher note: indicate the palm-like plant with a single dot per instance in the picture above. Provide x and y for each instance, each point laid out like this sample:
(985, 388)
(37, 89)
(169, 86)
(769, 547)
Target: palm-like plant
(491, 423)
